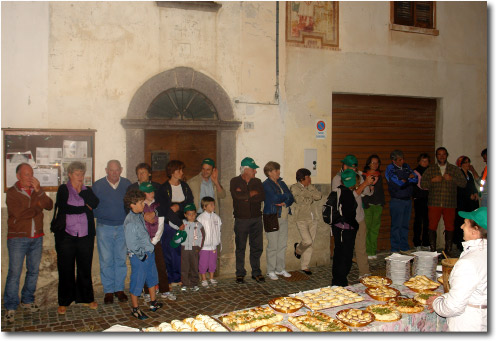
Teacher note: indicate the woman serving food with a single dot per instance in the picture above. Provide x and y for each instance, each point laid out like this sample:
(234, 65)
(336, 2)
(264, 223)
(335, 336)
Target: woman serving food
(465, 305)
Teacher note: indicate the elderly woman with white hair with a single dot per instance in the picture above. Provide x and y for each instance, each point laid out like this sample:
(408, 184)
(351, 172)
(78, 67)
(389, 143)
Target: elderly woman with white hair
(74, 242)
(465, 305)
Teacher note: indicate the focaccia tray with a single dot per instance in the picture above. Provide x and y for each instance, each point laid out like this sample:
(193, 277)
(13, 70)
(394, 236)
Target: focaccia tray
(387, 293)
(328, 297)
(250, 318)
(278, 328)
(423, 296)
(286, 305)
(355, 317)
(384, 312)
(421, 283)
(318, 322)
(376, 281)
(406, 305)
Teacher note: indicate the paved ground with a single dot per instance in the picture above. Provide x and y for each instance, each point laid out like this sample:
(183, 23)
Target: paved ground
(225, 297)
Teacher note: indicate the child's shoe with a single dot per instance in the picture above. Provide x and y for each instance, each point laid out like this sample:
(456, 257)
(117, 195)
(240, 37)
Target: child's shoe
(195, 288)
(154, 305)
(168, 295)
(213, 281)
(184, 288)
(205, 283)
(136, 312)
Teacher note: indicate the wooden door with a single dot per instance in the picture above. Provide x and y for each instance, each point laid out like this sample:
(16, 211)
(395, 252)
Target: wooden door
(189, 146)
(363, 125)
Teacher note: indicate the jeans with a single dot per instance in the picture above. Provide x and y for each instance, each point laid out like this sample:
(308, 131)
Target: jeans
(172, 256)
(112, 253)
(400, 219)
(31, 249)
(142, 273)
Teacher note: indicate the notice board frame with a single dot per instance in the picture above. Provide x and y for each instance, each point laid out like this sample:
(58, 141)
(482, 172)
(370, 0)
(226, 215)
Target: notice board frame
(20, 140)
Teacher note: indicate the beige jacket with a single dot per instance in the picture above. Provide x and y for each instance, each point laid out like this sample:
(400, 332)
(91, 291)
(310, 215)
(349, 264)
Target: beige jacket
(304, 207)
(195, 184)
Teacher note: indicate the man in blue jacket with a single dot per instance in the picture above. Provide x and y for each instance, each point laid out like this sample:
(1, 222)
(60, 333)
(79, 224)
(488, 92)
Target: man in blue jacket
(401, 179)
(111, 242)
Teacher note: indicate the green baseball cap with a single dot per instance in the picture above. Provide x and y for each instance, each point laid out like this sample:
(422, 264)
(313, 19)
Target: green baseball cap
(479, 216)
(178, 238)
(146, 187)
(348, 177)
(350, 160)
(208, 161)
(189, 207)
(248, 161)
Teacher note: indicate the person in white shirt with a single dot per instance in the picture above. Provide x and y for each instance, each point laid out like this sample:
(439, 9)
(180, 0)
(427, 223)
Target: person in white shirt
(465, 305)
(208, 254)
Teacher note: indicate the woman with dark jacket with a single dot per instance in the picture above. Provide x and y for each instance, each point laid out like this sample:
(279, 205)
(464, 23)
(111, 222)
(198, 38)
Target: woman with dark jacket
(75, 242)
(172, 196)
(278, 199)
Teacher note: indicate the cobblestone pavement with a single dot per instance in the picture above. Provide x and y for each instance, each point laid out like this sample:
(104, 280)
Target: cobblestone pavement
(225, 297)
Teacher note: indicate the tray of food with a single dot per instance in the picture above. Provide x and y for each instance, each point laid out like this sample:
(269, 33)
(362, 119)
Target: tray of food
(273, 328)
(286, 305)
(250, 318)
(406, 305)
(201, 323)
(384, 312)
(318, 322)
(382, 293)
(420, 283)
(327, 297)
(355, 317)
(423, 296)
(376, 281)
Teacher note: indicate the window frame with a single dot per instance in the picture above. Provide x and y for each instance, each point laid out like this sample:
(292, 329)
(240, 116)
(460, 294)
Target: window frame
(414, 29)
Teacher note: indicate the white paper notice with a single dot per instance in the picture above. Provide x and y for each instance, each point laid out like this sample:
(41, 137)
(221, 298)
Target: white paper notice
(47, 176)
(75, 149)
(11, 163)
(48, 156)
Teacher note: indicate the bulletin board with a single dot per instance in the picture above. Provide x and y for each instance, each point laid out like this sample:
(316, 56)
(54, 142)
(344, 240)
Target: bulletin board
(49, 152)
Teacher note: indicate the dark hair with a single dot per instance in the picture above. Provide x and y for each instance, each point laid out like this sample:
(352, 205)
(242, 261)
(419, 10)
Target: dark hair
(145, 166)
(395, 154)
(173, 166)
(302, 173)
(482, 231)
(423, 156)
(442, 148)
(19, 166)
(132, 197)
(465, 159)
(270, 166)
(206, 200)
(369, 160)
(484, 152)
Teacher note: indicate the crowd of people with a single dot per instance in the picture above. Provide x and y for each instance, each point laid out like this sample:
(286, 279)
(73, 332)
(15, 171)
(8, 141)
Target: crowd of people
(171, 232)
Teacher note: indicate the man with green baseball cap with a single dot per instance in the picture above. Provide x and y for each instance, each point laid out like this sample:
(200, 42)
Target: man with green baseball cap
(247, 193)
(207, 184)
(350, 162)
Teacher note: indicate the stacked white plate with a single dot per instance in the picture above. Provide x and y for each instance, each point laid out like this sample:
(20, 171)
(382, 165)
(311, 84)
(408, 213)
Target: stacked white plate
(398, 268)
(425, 263)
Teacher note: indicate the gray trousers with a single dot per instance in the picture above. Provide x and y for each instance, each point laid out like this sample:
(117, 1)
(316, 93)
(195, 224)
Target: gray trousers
(252, 230)
(276, 247)
(308, 230)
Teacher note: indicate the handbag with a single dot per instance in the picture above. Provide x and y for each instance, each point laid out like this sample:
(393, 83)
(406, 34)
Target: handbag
(58, 221)
(270, 222)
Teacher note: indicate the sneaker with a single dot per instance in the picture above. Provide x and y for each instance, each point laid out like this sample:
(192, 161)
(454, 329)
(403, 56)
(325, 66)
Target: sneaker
(372, 257)
(154, 305)
(10, 316)
(283, 273)
(31, 306)
(213, 281)
(195, 288)
(272, 276)
(184, 288)
(168, 295)
(205, 283)
(136, 312)
(296, 255)
(146, 297)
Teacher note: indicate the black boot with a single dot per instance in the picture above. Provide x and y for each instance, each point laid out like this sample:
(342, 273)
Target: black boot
(448, 242)
(432, 240)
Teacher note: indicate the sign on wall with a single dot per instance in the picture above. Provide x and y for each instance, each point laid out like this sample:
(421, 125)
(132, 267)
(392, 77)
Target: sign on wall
(321, 128)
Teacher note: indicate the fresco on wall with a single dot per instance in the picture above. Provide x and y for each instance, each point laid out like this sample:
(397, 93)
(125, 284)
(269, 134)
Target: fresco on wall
(313, 24)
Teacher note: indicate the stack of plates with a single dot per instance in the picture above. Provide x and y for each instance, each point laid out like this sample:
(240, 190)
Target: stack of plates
(425, 263)
(398, 268)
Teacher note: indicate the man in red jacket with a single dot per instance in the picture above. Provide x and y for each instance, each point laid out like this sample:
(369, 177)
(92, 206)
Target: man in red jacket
(25, 204)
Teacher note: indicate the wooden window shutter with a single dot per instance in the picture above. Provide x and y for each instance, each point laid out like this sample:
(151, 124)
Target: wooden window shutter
(414, 13)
